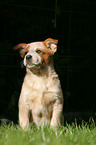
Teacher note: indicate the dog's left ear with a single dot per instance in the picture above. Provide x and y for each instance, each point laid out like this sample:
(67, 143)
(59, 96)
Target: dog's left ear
(51, 44)
(22, 49)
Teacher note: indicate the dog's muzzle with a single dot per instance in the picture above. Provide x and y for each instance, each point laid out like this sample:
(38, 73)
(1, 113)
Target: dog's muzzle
(30, 63)
(28, 57)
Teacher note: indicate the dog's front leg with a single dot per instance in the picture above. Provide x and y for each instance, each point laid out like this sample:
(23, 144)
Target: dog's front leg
(23, 116)
(56, 115)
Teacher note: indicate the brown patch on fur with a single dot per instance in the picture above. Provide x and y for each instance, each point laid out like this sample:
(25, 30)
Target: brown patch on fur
(22, 49)
(50, 40)
(27, 48)
(46, 56)
(21, 45)
(51, 44)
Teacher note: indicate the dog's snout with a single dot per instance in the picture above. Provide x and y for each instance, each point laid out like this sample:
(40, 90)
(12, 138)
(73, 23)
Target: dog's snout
(28, 57)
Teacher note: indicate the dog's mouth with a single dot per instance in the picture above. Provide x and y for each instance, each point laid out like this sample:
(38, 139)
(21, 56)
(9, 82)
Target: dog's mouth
(32, 65)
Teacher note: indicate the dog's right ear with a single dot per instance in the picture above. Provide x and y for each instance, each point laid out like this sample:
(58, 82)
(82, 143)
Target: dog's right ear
(22, 49)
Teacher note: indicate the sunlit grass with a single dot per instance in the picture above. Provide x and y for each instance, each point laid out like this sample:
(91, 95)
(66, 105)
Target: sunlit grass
(84, 134)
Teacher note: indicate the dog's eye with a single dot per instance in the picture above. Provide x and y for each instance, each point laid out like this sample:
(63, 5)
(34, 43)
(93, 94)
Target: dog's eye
(38, 51)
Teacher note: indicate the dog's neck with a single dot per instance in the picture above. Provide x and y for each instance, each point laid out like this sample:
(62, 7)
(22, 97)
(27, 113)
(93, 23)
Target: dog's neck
(42, 71)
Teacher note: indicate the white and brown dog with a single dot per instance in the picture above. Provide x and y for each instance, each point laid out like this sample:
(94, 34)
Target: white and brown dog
(41, 98)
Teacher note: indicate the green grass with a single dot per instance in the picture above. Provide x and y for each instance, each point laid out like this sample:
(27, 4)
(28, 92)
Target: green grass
(74, 134)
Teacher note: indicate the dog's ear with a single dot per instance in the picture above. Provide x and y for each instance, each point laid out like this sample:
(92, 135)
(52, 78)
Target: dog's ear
(22, 49)
(51, 44)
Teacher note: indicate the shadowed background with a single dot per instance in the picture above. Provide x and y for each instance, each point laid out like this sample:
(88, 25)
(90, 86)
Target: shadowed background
(73, 23)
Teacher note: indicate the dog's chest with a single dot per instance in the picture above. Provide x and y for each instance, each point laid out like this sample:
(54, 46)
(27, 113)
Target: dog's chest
(39, 91)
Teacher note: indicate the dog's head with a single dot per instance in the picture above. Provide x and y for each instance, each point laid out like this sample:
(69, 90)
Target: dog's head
(37, 54)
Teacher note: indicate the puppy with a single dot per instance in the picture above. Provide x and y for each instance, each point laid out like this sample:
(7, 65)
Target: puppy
(41, 98)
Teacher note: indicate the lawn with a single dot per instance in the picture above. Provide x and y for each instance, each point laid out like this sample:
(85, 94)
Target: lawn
(84, 134)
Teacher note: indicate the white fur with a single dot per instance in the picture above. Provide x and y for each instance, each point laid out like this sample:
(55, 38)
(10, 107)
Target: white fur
(41, 92)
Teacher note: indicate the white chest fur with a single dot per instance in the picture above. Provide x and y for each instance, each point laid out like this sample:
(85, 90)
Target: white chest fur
(41, 91)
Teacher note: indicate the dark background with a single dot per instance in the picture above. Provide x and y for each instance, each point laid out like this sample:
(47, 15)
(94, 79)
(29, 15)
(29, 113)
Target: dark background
(73, 23)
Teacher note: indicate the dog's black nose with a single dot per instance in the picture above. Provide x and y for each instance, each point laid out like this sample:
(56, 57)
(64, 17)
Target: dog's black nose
(28, 57)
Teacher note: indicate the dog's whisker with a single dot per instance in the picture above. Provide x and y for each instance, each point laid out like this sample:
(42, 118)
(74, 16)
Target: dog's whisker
(22, 64)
